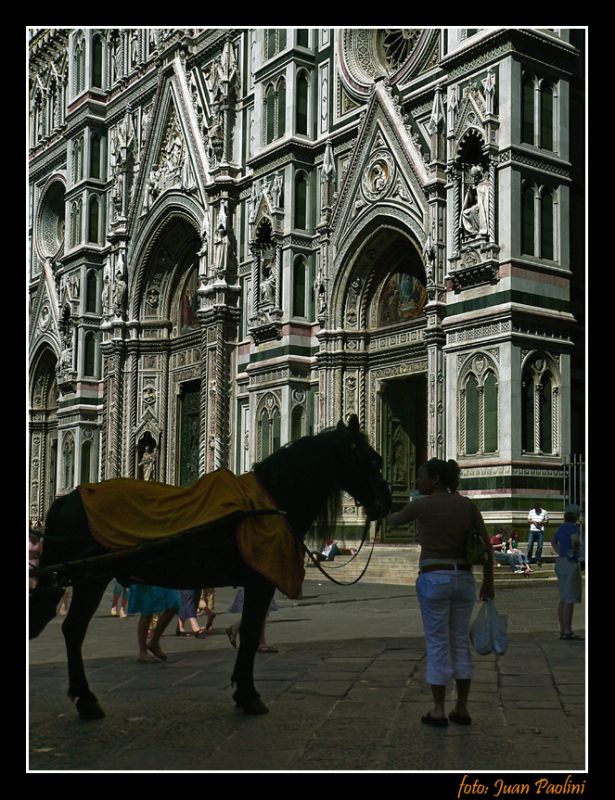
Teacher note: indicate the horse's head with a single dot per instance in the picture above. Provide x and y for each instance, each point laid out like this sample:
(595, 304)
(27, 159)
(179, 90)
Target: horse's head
(362, 471)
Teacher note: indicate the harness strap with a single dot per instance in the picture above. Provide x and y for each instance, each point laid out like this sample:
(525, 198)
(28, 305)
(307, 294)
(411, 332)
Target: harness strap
(356, 580)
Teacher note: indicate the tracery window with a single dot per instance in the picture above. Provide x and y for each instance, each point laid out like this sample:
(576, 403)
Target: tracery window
(91, 292)
(79, 65)
(95, 149)
(269, 428)
(75, 223)
(478, 409)
(540, 391)
(68, 460)
(97, 62)
(275, 111)
(89, 355)
(93, 220)
(299, 296)
(275, 41)
(298, 423)
(539, 222)
(538, 111)
(303, 37)
(78, 159)
(86, 458)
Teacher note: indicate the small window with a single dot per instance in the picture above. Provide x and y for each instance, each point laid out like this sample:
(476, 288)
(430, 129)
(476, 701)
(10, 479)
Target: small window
(471, 415)
(527, 221)
(490, 396)
(527, 414)
(89, 358)
(546, 226)
(298, 420)
(97, 62)
(302, 104)
(299, 271)
(93, 219)
(91, 292)
(546, 414)
(270, 114)
(301, 202)
(527, 111)
(95, 156)
(546, 117)
(86, 458)
(303, 37)
(281, 126)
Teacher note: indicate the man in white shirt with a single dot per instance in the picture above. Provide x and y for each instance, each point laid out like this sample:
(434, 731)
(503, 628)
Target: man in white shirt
(537, 518)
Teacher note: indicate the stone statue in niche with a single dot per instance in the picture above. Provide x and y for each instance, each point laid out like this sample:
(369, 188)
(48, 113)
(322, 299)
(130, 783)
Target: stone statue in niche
(267, 281)
(119, 294)
(148, 463)
(73, 287)
(276, 190)
(151, 300)
(475, 212)
(107, 297)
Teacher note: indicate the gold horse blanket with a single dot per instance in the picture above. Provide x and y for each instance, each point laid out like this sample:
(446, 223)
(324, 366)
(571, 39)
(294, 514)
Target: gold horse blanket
(124, 512)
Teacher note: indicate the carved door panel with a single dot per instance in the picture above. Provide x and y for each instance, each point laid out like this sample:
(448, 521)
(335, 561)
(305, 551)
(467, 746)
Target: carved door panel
(189, 433)
(404, 428)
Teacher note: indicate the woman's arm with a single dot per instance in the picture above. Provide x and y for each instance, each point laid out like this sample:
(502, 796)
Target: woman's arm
(487, 589)
(408, 513)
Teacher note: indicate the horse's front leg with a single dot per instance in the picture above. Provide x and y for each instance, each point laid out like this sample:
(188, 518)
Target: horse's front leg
(257, 598)
(86, 599)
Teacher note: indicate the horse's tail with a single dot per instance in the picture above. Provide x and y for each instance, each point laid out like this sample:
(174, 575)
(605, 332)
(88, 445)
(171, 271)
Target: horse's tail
(44, 598)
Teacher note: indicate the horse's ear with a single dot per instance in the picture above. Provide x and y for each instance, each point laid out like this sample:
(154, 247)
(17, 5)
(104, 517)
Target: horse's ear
(353, 424)
(341, 426)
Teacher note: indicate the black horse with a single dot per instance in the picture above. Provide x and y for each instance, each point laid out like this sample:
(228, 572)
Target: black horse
(305, 479)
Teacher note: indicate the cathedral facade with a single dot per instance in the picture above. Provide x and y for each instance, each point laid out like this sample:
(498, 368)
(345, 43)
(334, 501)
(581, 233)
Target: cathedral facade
(239, 237)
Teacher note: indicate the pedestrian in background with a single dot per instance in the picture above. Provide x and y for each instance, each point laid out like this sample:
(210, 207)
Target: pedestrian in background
(120, 598)
(567, 544)
(537, 518)
(147, 601)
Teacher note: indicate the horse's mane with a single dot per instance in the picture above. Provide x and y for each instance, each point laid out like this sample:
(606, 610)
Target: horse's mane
(296, 457)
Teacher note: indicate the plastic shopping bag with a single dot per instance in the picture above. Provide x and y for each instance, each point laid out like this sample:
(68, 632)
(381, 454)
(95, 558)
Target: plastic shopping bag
(489, 631)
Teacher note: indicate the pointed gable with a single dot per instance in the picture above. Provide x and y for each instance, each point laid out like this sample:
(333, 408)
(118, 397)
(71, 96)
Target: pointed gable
(385, 167)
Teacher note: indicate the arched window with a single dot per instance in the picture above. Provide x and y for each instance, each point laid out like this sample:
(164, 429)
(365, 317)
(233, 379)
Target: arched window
(95, 155)
(269, 430)
(79, 65)
(471, 444)
(527, 110)
(89, 356)
(299, 271)
(527, 221)
(527, 413)
(271, 41)
(52, 107)
(301, 202)
(97, 62)
(303, 37)
(269, 114)
(78, 159)
(86, 458)
(281, 121)
(490, 399)
(298, 419)
(546, 116)
(68, 461)
(91, 292)
(264, 434)
(302, 104)
(75, 223)
(540, 411)
(93, 219)
(546, 225)
(276, 431)
(546, 414)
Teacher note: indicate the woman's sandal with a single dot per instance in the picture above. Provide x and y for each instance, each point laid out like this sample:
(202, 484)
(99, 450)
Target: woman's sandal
(436, 722)
(267, 648)
(570, 636)
(200, 634)
(157, 652)
(459, 719)
(232, 636)
(210, 620)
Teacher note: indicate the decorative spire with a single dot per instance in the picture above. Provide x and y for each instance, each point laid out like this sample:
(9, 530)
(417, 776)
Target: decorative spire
(437, 112)
(328, 164)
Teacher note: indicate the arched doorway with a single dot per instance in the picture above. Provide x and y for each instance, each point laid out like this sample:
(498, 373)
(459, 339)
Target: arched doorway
(43, 434)
(381, 305)
(168, 408)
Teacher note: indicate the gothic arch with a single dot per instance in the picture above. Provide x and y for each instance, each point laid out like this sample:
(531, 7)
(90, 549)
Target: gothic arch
(175, 206)
(352, 260)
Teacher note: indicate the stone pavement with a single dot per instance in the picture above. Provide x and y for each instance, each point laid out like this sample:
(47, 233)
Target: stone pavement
(345, 692)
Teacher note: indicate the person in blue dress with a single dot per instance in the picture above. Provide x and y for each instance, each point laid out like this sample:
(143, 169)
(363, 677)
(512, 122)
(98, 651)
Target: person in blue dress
(147, 601)
(566, 543)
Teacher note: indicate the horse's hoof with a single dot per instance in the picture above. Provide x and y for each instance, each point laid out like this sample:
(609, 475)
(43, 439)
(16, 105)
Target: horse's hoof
(89, 709)
(250, 705)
